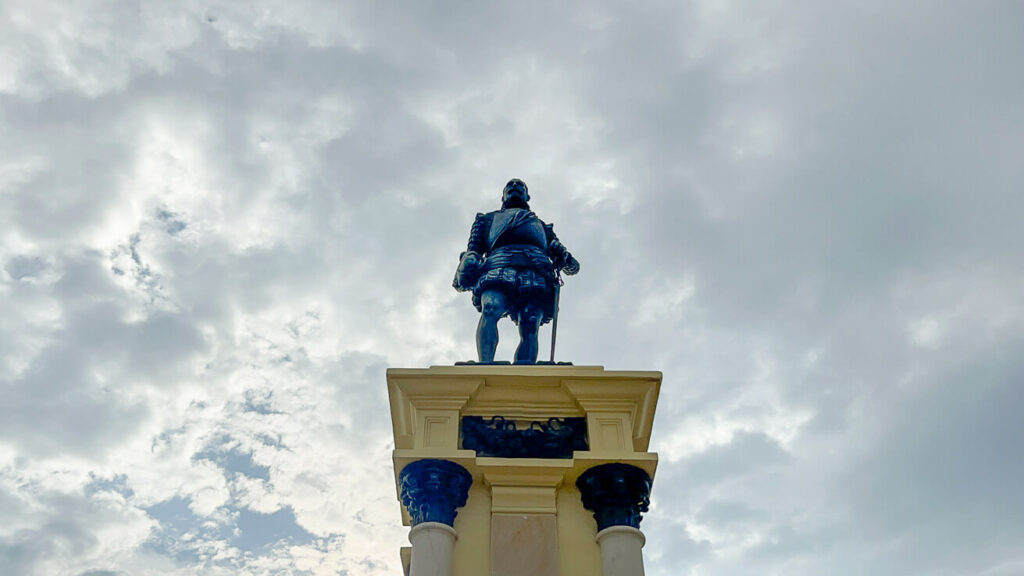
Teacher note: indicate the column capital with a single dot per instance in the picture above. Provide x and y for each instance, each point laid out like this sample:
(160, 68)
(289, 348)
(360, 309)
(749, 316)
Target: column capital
(618, 494)
(432, 489)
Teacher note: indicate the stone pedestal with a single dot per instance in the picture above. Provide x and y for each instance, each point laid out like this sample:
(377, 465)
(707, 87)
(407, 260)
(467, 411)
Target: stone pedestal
(527, 438)
(524, 544)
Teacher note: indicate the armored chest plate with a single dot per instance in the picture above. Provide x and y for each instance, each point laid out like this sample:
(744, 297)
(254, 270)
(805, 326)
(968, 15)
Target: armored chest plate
(504, 231)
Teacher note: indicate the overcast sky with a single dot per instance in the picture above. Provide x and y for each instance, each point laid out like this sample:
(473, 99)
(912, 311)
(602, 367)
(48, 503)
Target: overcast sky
(220, 222)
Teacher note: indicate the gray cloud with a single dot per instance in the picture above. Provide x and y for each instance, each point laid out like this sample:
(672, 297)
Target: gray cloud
(220, 223)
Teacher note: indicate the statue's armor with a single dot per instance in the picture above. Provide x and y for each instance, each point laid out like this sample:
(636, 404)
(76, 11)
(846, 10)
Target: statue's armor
(520, 254)
(529, 233)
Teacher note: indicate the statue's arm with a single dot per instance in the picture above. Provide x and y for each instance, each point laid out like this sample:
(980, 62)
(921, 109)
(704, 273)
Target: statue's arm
(559, 254)
(478, 235)
(470, 261)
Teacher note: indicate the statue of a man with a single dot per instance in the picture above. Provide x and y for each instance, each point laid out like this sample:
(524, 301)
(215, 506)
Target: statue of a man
(511, 265)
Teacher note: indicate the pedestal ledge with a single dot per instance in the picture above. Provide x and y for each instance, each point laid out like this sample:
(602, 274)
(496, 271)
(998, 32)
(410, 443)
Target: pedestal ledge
(426, 404)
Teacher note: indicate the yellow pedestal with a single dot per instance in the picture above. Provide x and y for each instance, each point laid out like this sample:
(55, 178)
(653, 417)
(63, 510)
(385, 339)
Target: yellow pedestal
(523, 515)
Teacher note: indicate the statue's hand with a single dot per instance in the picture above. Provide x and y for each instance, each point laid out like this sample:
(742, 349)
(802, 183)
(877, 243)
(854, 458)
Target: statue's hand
(470, 260)
(562, 258)
(572, 265)
(468, 272)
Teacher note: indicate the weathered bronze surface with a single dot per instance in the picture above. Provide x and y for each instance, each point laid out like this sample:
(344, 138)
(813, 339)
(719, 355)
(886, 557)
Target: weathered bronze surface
(513, 266)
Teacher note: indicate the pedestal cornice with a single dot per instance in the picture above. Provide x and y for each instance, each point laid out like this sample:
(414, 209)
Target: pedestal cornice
(624, 399)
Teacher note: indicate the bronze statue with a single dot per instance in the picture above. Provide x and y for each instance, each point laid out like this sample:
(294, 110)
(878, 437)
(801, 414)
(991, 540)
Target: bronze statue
(512, 265)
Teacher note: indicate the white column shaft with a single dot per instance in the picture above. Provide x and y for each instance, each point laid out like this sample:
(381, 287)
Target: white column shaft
(621, 551)
(433, 547)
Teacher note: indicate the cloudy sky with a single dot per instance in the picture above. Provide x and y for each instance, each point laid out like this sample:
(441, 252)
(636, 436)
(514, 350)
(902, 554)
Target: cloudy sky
(221, 221)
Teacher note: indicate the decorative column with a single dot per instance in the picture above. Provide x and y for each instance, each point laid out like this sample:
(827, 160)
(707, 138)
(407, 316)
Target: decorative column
(431, 490)
(618, 495)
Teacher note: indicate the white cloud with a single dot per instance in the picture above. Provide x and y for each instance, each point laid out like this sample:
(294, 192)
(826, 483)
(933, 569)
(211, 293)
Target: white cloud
(219, 223)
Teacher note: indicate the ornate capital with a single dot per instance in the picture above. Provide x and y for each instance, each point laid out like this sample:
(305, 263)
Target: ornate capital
(617, 494)
(432, 490)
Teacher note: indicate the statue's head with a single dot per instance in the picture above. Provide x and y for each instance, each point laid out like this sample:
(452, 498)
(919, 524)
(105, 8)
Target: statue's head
(515, 195)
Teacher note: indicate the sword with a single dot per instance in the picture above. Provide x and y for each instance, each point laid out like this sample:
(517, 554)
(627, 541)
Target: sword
(554, 318)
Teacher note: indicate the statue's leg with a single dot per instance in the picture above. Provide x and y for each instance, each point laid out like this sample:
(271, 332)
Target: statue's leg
(529, 326)
(493, 306)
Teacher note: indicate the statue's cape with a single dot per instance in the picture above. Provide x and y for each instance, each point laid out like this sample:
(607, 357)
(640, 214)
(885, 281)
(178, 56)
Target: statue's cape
(518, 219)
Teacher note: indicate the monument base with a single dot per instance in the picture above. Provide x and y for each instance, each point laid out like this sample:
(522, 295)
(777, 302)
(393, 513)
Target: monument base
(523, 514)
